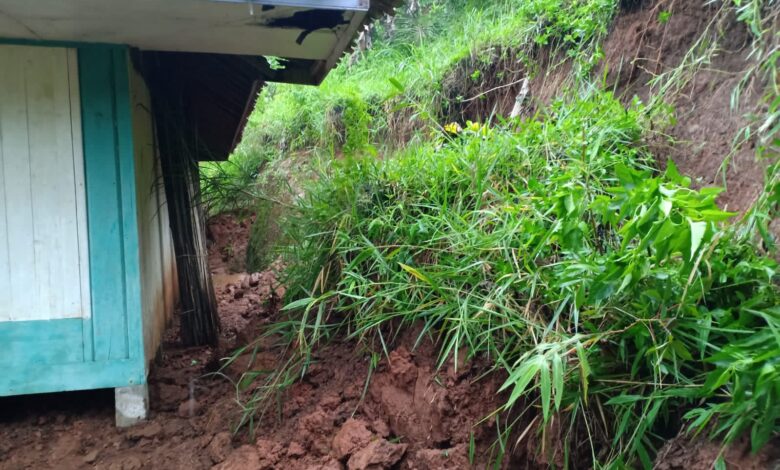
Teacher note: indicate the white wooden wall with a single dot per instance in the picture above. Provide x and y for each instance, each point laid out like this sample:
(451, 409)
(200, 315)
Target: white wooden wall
(159, 287)
(44, 271)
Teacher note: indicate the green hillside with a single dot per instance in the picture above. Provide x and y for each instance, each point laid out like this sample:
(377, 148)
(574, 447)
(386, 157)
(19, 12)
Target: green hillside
(617, 298)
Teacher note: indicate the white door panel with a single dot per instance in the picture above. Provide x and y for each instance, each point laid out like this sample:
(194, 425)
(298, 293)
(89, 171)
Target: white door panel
(44, 263)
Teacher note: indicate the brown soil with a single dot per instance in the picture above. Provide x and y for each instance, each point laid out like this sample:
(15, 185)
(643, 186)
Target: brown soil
(640, 47)
(227, 236)
(683, 453)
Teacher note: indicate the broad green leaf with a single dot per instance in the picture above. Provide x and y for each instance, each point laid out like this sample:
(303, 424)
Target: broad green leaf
(397, 84)
(666, 207)
(520, 380)
(557, 379)
(698, 229)
(644, 456)
(300, 303)
(584, 370)
(681, 350)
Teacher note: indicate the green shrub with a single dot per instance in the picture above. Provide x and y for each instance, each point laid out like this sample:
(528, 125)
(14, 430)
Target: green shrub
(610, 295)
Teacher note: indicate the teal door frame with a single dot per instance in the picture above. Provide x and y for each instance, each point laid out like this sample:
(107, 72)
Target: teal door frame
(105, 350)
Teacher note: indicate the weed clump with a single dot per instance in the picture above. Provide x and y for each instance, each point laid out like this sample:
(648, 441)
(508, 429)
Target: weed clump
(611, 295)
(621, 305)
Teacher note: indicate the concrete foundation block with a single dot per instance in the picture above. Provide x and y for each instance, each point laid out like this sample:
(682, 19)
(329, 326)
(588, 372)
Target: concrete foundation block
(132, 405)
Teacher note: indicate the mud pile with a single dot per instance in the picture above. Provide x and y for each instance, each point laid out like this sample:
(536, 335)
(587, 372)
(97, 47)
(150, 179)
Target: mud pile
(408, 416)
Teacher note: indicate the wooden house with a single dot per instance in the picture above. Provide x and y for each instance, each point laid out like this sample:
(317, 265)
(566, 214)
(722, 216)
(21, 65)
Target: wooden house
(99, 100)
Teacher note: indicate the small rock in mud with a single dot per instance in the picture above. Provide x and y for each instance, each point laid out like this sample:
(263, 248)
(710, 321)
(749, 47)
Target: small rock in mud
(189, 408)
(170, 396)
(331, 401)
(330, 464)
(698, 453)
(269, 453)
(353, 436)
(243, 458)
(131, 463)
(91, 456)
(295, 450)
(377, 455)
(64, 446)
(316, 422)
(177, 427)
(402, 367)
(220, 447)
(441, 459)
(381, 428)
(145, 431)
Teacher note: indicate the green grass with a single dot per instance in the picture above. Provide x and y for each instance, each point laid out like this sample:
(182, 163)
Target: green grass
(358, 108)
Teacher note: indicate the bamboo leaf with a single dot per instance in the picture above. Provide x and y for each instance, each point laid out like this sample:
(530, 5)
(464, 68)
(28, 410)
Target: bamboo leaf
(557, 380)
(544, 387)
(698, 230)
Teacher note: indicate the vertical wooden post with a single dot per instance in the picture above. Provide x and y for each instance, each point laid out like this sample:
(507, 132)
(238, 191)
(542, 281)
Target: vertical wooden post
(178, 146)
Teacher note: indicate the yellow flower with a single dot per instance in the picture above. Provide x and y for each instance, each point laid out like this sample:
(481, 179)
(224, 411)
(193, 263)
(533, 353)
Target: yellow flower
(453, 128)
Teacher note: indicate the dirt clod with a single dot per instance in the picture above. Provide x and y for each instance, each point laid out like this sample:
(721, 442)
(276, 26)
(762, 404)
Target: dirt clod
(145, 431)
(379, 454)
(91, 456)
(295, 450)
(352, 436)
(220, 447)
(243, 458)
(441, 459)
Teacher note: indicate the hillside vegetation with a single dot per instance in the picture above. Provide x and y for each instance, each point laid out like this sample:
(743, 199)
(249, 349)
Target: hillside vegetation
(619, 301)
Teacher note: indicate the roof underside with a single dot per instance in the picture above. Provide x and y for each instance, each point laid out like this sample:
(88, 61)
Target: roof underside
(202, 58)
(313, 29)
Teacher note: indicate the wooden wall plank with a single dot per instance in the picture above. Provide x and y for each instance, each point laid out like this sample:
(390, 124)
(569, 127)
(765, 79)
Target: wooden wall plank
(126, 157)
(20, 292)
(53, 190)
(43, 270)
(80, 185)
(111, 209)
(5, 271)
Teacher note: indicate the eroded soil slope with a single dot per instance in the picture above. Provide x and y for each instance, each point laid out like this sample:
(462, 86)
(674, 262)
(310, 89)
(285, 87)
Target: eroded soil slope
(701, 139)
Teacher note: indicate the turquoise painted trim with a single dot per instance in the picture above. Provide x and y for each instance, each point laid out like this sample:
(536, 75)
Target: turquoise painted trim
(26, 343)
(106, 350)
(129, 201)
(45, 378)
(111, 207)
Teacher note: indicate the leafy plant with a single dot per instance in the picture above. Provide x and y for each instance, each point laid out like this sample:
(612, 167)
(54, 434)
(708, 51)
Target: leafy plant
(613, 297)
(610, 295)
